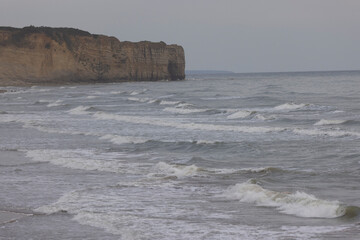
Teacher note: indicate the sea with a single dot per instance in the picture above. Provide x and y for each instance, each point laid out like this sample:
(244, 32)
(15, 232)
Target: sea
(215, 156)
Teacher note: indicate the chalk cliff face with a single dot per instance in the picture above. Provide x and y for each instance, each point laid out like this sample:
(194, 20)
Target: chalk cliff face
(41, 55)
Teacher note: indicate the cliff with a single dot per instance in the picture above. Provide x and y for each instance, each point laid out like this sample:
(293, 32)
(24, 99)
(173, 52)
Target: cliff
(42, 55)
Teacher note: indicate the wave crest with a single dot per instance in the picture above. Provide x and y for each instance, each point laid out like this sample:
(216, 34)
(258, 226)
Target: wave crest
(116, 139)
(329, 122)
(81, 110)
(162, 169)
(240, 114)
(290, 106)
(300, 204)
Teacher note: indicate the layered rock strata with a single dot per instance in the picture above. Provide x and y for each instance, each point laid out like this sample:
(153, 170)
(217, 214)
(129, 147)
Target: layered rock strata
(42, 55)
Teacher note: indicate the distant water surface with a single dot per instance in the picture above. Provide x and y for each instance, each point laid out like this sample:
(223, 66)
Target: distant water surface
(221, 156)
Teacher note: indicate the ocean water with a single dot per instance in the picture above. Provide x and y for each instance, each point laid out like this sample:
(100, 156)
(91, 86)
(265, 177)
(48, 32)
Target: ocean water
(232, 156)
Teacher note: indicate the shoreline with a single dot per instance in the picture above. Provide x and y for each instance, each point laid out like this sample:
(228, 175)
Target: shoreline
(10, 217)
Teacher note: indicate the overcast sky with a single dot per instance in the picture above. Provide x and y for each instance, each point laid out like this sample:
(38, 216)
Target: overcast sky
(234, 35)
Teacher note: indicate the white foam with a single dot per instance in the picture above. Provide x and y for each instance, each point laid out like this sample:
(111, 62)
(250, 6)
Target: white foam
(142, 100)
(192, 126)
(264, 117)
(55, 104)
(29, 90)
(180, 110)
(152, 101)
(116, 139)
(240, 114)
(165, 170)
(205, 141)
(130, 214)
(222, 98)
(91, 97)
(80, 110)
(256, 170)
(42, 101)
(329, 122)
(114, 92)
(79, 159)
(330, 133)
(165, 102)
(184, 105)
(290, 106)
(299, 204)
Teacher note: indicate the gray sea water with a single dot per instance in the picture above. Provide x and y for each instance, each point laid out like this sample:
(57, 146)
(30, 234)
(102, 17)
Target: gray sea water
(232, 156)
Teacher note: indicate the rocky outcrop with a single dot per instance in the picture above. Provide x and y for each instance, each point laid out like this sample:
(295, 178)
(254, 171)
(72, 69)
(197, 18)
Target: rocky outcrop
(42, 55)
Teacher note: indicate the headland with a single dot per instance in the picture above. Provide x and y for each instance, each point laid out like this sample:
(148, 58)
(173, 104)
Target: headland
(57, 56)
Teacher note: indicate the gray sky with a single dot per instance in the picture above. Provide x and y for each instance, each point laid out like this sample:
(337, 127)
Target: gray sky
(235, 35)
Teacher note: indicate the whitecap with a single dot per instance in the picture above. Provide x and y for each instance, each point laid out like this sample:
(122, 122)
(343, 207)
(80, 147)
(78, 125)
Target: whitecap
(138, 92)
(83, 159)
(192, 126)
(116, 139)
(142, 100)
(166, 102)
(79, 110)
(290, 106)
(324, 133)
(42, 101)
(131, 216)
(265, 117)
(205, 142)
(55, 104)
(240, 114)
(329, 122)
(163, 169)
(180, 110)
(300, 204)
(116, 92)
(91, 97)
(184, 105)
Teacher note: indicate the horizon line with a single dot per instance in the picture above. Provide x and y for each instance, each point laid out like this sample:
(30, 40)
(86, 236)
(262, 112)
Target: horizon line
(296, 71)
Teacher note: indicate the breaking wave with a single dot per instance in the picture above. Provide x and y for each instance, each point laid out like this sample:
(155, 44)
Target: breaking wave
(41, 101)
(180, 110)
(265, 117)
(241, 114)
(80, 110)
(325, 133)
(291, 106)
(116, 139)
(192, 126)
(79, 159)
(55, 104)
(142, 100)
(167, 102)
(300, 204)
(165, 170)
(138, 92)
(329, 122)
(162, 169)
(91, 97)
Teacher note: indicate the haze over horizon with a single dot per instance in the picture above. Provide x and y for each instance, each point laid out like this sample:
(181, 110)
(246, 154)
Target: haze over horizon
(238, 36)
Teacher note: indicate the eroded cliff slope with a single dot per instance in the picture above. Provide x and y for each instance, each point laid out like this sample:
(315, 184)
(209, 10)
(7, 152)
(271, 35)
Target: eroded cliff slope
(42, 55)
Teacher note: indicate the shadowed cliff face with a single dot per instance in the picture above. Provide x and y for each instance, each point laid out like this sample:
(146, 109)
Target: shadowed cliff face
(63, 55)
